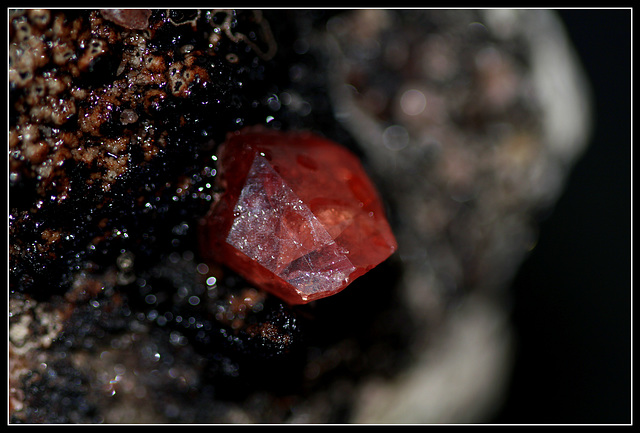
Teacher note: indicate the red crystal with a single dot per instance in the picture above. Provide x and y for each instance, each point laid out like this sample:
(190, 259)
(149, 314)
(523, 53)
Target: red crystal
(299, 217)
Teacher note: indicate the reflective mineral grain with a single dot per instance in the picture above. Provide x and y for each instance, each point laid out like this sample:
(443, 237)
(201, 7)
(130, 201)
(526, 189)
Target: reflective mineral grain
(298, 217)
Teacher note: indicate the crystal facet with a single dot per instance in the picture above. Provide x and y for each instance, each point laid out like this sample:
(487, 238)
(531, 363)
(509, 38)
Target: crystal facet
(299, 217)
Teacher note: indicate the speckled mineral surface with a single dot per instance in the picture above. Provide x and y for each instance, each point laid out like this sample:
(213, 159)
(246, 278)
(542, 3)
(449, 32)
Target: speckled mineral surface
(467, 121)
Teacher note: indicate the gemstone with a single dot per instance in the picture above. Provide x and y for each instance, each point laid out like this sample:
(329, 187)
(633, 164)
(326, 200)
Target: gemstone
(299, 217)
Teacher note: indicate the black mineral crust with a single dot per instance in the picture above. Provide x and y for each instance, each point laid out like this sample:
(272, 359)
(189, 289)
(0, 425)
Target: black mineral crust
(114, 121)
(115, 117)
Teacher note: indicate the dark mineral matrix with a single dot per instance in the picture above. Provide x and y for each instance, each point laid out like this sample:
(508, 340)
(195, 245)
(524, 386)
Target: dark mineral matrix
(115, 119)
(445, 133)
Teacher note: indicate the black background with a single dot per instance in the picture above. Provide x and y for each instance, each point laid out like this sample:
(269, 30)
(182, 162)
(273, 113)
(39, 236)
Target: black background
(572, 297)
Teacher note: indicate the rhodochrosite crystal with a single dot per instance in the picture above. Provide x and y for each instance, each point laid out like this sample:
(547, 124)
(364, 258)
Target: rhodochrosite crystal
(298, 217)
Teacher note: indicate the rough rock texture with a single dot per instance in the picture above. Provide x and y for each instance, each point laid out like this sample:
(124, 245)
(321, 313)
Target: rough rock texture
(467, 120)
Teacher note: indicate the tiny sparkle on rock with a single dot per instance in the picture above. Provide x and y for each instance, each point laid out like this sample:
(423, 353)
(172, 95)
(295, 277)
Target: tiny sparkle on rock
(299, 217)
